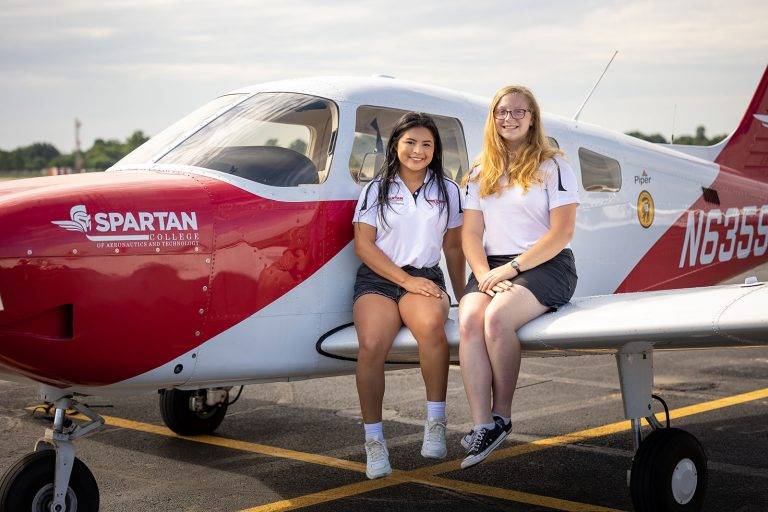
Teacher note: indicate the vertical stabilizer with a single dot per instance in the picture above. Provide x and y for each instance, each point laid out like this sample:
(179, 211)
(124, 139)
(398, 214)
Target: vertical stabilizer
(746, 150)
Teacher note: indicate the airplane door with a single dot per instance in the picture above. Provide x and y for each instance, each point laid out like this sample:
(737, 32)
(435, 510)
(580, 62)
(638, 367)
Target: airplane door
(360, 153)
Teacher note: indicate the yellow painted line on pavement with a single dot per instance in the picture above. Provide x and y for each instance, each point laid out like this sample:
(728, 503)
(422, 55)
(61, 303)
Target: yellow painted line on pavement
(234, 444)
(334, 494)
(427, 475)
(604, 430)
(720, 403)
(413, 477)
(510, 495)
(397, 477)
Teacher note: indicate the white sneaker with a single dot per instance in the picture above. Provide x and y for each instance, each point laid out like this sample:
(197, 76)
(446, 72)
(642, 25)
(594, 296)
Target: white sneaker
(433, 446)
(377, 459)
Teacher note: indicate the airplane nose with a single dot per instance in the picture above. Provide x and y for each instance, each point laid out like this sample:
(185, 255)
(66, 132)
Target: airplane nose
(84, 258)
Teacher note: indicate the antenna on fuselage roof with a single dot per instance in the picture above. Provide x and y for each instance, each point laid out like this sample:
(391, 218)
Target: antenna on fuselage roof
(578, 112)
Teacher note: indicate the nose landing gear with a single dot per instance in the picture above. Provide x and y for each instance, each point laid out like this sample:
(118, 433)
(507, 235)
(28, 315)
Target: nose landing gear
(52, 479)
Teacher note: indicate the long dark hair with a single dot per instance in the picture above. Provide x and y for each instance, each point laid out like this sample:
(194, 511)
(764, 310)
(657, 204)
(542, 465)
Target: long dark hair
(391, 164)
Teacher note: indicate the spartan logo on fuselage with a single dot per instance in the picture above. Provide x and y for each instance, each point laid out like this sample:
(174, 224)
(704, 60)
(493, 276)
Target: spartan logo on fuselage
(127, 226)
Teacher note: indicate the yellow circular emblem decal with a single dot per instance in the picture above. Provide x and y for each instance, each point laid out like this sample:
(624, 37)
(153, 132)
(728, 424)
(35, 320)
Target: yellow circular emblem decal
(645, 209)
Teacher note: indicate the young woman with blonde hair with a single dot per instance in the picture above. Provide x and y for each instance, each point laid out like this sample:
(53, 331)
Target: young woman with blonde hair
(519, 217)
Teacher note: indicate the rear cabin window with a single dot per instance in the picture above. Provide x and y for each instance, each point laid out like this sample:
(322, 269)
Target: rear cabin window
(277, 139)
(373, 126)
(599, 173)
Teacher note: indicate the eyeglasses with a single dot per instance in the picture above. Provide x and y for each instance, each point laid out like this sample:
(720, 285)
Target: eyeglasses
(516, 113)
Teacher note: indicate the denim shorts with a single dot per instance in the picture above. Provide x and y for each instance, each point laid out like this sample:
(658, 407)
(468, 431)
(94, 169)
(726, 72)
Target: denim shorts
(552, 283)
(368, 281)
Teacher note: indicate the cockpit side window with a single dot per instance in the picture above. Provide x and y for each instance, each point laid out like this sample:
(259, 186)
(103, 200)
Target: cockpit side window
(278, 139)
(372, 128)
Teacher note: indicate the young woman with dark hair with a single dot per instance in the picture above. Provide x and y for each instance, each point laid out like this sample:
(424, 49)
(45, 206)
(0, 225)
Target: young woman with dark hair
(402, 220)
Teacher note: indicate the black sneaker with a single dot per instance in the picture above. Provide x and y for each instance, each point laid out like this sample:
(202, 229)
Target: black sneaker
(500, 421)
(466, 441)
(483, 444)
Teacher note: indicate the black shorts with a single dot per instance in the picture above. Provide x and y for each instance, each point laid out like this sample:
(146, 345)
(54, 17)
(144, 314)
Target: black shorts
(368, 281)
(552, 283)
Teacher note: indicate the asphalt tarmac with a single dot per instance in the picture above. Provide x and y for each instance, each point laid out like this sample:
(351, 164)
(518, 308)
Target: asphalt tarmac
(288, 446)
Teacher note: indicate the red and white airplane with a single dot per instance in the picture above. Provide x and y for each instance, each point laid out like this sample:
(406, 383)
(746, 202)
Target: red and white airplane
(219, 254)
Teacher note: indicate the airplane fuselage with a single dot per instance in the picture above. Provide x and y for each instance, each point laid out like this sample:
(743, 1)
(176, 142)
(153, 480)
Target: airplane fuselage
(155, 274)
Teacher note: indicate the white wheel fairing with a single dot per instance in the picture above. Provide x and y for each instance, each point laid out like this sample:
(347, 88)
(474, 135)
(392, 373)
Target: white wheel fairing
(685, 479)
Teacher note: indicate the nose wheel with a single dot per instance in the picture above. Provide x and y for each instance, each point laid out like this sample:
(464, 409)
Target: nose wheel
(29, 486)
(52, 479)
(669, 472)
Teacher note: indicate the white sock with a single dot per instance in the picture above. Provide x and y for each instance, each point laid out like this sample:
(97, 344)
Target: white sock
(507, 419)
(435, 410)
(374, 431)
(486, 426)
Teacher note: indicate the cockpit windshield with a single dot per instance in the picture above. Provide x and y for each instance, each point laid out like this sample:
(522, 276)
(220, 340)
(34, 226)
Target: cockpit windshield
(144, 153)
(278, 139)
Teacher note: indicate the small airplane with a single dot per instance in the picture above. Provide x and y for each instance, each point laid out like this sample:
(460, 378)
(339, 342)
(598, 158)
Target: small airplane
(219, 254)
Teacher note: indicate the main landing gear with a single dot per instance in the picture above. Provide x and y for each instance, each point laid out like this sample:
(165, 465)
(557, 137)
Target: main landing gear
(196, 412)
(52, 479)
(669, 469)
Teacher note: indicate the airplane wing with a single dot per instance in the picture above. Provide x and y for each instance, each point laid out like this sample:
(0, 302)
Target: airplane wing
(714, 316)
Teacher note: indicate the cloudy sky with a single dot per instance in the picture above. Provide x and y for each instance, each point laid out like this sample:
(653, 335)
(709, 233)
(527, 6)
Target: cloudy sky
(126, 65)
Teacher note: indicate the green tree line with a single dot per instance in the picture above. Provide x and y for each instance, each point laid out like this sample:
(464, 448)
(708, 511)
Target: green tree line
(41, 155)
(106, 152)
(700, 139)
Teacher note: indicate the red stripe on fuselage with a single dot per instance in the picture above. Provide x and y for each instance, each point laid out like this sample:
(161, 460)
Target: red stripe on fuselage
(680, 258)
(135, 311)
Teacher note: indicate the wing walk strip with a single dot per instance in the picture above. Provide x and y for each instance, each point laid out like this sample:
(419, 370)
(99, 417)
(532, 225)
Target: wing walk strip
(428, 475)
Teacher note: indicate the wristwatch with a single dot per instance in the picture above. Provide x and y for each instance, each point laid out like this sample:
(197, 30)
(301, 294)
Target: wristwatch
(515, 265)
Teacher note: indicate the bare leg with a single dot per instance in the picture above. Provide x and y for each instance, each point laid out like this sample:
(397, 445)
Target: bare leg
(425, 317)
(377, 321)
(507, 312)
(473, 355)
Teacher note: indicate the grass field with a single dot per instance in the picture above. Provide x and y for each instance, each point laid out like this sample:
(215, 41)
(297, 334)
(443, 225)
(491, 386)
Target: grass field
(15, 175)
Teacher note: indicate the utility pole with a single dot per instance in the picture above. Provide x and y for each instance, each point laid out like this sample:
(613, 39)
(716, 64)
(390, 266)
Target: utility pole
(674, 118)
(78, 152)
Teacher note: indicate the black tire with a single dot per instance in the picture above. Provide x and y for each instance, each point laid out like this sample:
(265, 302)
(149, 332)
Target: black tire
(653, 467)
(30, 482)
(177, 416)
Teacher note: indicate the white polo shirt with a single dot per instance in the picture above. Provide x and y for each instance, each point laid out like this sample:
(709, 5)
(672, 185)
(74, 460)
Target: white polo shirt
(514, 221)
(414, 228)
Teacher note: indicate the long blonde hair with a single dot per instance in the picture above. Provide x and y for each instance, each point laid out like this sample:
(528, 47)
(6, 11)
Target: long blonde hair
(520, 168)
